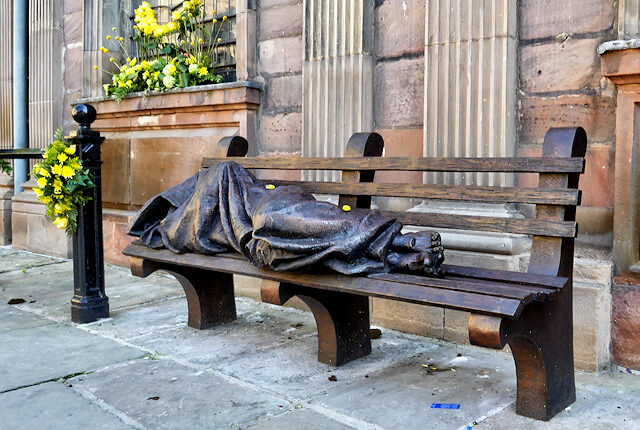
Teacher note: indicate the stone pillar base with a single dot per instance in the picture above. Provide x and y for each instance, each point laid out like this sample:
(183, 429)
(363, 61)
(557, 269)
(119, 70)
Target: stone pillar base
(6, 194)
(32, 230)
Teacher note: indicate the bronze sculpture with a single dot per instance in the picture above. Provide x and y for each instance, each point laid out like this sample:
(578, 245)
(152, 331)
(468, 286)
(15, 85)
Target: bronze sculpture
(226, 208)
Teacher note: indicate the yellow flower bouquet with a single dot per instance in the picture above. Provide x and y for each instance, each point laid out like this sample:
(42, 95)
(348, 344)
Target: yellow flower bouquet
(62, 182)
(5, 166)
(178, 54)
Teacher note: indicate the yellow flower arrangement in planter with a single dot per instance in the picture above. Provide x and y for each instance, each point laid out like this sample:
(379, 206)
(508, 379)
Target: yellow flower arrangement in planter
(177, 54)
(62, 182)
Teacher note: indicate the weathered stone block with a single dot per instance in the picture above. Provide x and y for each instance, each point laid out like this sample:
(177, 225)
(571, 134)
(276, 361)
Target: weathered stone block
(71, 6)
(264, 4)
(73, 69)
(280, 21)
(591, 326)
(597, 115)
(282, 55)
(625, 331)
(114, 226)
(570, 65)
(281, 133)
(247, 287)
(597, 181)
(73, 27)
(408, 317)
(456, 326)
(6, 194)
(160, 163)
(401, 142)
(539, 19)
(284, 92)
(399, 90)
(116, 171)
(399, 28)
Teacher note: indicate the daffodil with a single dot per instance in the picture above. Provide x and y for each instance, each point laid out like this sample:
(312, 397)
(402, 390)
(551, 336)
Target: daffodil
(61, 223)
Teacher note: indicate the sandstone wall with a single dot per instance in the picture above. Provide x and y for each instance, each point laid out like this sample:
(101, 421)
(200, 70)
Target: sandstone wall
(561, 85)
(279, 52)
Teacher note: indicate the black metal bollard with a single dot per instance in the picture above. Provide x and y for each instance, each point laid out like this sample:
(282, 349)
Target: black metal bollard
(89, 301)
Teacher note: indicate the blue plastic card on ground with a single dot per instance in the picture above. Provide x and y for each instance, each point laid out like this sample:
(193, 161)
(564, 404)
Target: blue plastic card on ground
(445, 406)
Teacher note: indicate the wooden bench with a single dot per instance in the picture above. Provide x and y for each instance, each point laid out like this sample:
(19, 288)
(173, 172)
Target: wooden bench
(532, 311)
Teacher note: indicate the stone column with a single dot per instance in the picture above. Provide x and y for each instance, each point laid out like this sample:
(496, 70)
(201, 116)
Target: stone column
(6, 74)
(6, 194)
(337, 77)
(100, 16)
(246, 40)
(628, 19)
(45, 71)
(470, 83)
(621, 64)
(470, 111)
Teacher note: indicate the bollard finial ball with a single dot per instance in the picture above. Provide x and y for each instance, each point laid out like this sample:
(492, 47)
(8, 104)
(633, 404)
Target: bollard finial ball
(84, 114)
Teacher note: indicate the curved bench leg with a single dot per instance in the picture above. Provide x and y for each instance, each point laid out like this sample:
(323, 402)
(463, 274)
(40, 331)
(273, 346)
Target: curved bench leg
(210, 296)
(342, 319)
(542, 348)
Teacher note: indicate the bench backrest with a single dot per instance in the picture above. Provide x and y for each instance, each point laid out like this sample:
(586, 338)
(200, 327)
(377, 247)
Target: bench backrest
(556, 196)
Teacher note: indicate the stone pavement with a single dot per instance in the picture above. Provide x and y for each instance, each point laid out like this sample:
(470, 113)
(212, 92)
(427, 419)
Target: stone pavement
(145, 368)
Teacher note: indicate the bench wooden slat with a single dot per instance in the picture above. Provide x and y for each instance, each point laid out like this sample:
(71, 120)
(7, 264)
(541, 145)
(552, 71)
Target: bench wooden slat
(524, 293)
(522, 278)
(444, 192)
(494, 224)
(459, 300)
(508, 165)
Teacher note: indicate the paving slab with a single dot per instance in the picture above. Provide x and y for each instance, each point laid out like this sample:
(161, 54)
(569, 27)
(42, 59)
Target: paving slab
(53, 406)
(162, 394)
(301, 419)
(50, 351)
(604, 402)
(163, 326)
(13, 260)
(401, 396)
(15, 319)
(258, 327)
(293, 369)
(48, 289)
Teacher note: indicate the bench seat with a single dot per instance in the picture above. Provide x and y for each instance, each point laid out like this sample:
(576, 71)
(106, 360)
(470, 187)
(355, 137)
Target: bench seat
(461, 289)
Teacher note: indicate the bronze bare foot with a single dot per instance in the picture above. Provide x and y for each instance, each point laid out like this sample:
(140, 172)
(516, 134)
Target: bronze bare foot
(419, 252)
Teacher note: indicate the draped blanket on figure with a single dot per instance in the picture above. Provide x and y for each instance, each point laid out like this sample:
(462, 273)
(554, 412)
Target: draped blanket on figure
(226, 208)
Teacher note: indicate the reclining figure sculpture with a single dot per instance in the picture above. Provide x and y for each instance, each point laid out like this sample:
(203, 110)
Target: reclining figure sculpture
(226, 208)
